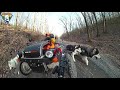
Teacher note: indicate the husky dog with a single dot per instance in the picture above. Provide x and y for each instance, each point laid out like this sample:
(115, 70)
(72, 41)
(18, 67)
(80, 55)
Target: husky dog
(91, 52)
(75, 49)
(13, 64)
(84, 52)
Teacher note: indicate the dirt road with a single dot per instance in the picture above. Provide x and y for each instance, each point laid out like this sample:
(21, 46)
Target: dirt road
(106, 67)
(101, 68)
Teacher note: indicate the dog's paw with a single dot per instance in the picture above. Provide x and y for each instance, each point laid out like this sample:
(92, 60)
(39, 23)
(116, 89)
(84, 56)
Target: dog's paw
(86, 62)
(74, 60)
(18, 73)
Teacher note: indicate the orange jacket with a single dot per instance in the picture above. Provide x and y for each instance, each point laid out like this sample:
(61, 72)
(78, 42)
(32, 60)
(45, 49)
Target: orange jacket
(49, 46)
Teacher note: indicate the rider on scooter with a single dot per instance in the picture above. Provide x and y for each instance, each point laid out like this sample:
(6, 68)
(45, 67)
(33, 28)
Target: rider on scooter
(58, 59)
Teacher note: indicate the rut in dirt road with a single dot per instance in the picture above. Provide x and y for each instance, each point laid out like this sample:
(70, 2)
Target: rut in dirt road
(101, 68)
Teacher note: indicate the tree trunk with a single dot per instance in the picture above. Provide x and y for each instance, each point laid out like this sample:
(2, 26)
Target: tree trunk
(105, 25)
(64, 21)
(27, 21)
(26, 26)
(79, 23)
(118, 14)
(104, 22)
(96, 24)
(34, 23)
(67, 34)
(91, 21)
(17, 20)
(87, 27)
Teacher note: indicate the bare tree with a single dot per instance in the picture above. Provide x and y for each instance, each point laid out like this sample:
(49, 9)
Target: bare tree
(17, 20)
(46, 26)
(109, 15)
(34, 21)
(87, 27)
(80, 24)
(21, 19)
(118, 14)
(115, 14)
(43, 23)
(70, 23)
(104, 22)
(94, 14)
(27, 21)
(91, 19)
(65, 24)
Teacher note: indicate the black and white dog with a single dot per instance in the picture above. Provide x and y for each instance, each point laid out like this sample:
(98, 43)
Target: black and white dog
(14, 63)
(84, 52)
(75, 49)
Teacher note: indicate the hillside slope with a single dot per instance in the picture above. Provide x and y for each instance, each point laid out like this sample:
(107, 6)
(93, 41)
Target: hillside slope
(11, 41)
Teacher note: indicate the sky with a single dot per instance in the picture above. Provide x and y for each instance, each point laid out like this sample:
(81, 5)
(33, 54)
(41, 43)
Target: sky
(53, 20)
(54, 24)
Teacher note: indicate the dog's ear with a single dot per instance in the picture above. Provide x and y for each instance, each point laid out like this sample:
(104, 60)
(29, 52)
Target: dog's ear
(75, 46)
(95, 51)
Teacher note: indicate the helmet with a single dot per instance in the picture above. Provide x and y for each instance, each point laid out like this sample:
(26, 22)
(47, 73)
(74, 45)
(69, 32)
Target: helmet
(51, 36)
(53, 40)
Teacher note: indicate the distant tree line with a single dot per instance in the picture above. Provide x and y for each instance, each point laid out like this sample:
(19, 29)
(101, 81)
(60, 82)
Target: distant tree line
(88, 20)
